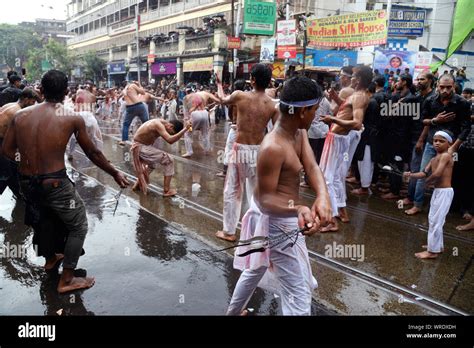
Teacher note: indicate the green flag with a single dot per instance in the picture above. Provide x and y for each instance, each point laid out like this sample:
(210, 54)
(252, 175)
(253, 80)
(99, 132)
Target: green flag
(463, 25)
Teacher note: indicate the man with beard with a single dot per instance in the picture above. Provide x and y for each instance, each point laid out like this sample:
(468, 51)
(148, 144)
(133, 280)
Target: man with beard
(444, 110)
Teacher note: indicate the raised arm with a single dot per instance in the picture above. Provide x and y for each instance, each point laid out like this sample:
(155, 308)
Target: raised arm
(227, 100)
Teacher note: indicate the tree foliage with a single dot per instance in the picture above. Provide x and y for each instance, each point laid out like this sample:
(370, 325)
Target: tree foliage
(93, 66)
(15, 42)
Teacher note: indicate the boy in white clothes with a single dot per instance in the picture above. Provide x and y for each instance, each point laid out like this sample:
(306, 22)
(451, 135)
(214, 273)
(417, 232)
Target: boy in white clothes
(441, 168)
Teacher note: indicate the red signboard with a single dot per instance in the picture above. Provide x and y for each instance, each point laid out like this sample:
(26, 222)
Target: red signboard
(151, 58)
(233, 43)
(286, 52)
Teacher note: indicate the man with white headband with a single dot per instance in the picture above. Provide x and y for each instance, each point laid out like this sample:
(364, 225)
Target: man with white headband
(254, 110)
(339, 145)
(274, 211)
(441, 169)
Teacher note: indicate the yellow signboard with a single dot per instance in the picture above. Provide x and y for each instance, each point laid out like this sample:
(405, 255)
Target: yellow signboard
(198, 64)
(278, 70)
(352, 30)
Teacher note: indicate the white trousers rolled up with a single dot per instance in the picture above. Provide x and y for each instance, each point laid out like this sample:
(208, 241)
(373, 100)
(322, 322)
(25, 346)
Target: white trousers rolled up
(439, 208)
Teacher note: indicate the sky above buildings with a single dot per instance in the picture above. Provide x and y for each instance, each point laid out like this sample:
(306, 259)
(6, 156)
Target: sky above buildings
(16, 11)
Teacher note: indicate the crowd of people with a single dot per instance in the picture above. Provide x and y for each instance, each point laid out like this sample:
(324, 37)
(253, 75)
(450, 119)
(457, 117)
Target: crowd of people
(367, 129)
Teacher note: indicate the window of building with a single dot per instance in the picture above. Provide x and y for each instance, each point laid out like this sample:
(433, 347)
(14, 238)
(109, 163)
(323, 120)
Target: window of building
(103, 21)
(117, 16)
(124, 13)
(110, 19)
(96, 24)
(132, 11)
(153, 4)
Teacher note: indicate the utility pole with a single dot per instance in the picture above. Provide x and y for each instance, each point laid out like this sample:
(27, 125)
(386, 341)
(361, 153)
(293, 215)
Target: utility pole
(237, 33)
(233, 52)
(137, 20)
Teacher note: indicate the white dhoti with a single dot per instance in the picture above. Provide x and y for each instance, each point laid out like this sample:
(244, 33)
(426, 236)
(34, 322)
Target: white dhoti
(439, 208)
(242, 170)
(332, 164)
(366, 168)
(354, 139)
(231, 136)
(200, 121)
(289, 271)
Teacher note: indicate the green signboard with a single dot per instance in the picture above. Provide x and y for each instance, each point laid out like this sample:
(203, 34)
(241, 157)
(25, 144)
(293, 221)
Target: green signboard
(259, 17)
(46, 65)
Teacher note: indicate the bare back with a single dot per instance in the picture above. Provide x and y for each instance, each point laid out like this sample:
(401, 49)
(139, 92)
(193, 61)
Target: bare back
(254, 110)
(7, 112)
(132, 94)
(149, 132)
(353, 108)
(42, 137)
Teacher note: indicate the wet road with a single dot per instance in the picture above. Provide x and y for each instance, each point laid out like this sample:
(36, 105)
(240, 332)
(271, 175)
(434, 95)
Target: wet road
(154, 256)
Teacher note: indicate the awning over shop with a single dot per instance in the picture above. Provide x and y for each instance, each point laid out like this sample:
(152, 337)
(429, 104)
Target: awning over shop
(198, 64)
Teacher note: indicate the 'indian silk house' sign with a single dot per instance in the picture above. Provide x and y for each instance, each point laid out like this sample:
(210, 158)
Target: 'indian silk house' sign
(259, 17)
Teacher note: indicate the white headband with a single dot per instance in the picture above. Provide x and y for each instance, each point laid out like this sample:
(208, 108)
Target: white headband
(444, 135)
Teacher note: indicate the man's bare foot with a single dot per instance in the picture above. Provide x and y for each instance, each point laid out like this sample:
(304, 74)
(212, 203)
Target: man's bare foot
(225, 236)
(343, 216)
(221, 174)
(361, 191)
(186, 155)
(170, 193)
(426, 247)
(413, 211)
(390, 195)
(352, 180)
(53, 262)
(244, 313)
(467, 216)
(75, 283)
(332, 227)
(466, 227)
(426, 255)
(121, 143)
(407, 201)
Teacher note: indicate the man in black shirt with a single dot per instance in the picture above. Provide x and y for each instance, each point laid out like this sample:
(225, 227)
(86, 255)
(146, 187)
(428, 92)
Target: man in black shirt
(425, 90)
(12, 93)
(443, 111)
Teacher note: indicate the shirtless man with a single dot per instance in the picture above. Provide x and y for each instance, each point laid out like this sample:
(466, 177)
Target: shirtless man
(9, 169)
(134, 107)
(337, 152)
(190, 103)
(254, 110)
(41, 138)
(239, 85)
(146, 156)
(283, 154)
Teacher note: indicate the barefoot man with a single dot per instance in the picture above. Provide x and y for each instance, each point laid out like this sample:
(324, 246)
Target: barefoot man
(41, 136)
(336, 155)
(441, 168)
(146, 156)
(283, 154)
(9, 169)
(133, 95)
(192, 102)
(254, 110)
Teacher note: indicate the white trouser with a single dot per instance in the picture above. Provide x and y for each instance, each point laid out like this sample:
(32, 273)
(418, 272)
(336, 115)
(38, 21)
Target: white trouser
(291, 270)
(335, 153)
(199, 123)
(354, 139)
(439, 208)
(231, 136)
(241, 171)
(366, 168)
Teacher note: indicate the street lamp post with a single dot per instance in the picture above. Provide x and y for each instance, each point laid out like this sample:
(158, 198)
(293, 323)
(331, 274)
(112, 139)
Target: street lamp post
(137, 22)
